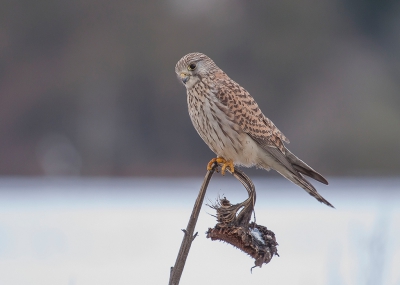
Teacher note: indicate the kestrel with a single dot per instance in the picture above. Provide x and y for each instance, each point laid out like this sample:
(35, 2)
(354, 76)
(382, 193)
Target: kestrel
(230, 122)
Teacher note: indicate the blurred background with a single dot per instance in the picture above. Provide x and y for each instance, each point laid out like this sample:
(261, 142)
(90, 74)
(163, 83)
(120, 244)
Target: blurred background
(100, 164)
(88, 87)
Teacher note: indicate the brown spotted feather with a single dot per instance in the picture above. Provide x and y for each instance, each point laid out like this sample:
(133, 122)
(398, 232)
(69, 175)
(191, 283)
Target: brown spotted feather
(229, 120)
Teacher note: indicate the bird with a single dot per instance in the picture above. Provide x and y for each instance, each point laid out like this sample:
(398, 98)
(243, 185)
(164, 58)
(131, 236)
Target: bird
(231, 123)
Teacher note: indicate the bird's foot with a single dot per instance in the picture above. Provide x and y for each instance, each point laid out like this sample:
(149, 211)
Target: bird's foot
(225, 163)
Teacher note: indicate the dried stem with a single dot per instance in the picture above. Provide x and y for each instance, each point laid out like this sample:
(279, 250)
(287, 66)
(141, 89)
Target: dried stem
(233, 227)
(176, 271)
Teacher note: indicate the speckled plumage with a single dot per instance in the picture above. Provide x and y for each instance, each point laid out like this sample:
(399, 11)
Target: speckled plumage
(229, 120)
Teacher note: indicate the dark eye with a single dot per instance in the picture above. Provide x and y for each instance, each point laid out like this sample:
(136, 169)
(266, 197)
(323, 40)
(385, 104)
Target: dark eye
(192, 66)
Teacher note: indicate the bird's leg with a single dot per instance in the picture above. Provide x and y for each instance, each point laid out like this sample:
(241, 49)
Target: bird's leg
(229, 164)
(225, 163)
(210, 164)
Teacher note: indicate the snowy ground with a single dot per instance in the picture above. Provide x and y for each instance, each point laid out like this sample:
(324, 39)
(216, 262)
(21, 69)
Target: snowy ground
(127, 231)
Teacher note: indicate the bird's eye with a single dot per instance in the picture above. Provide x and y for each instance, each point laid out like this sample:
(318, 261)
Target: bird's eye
(192, 66)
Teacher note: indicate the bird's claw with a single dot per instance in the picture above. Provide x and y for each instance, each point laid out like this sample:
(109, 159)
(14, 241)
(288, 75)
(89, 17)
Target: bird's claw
(225, 163)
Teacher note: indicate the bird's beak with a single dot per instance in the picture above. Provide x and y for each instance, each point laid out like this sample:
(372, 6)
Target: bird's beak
(184, 77)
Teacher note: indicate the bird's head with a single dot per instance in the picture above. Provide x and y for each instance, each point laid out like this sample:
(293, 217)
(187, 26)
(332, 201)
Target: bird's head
(191, 68)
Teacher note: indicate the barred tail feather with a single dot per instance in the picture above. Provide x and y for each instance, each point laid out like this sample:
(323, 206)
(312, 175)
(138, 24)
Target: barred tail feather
(303, 168)
(297, 179)
(303, 183)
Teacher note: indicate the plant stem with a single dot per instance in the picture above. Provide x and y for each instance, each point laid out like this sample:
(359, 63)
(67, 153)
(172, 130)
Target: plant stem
(176, 271)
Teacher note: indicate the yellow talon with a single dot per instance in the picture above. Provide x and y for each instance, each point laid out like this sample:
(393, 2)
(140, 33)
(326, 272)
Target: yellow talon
(210, 164)
(225, 164)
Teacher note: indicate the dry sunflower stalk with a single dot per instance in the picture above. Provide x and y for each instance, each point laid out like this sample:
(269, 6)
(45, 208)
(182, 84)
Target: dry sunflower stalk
(235, 228)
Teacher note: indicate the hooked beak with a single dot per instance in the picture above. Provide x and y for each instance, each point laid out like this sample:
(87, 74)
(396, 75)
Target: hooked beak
(184, 77)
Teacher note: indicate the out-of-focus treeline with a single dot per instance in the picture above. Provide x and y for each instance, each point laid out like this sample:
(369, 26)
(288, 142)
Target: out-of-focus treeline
(88, 87)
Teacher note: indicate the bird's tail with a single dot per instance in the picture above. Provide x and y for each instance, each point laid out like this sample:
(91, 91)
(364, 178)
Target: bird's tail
(303, 168)
(303, 183)
(295, 175)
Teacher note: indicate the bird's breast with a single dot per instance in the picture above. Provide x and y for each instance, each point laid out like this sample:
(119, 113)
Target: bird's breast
(215, 124)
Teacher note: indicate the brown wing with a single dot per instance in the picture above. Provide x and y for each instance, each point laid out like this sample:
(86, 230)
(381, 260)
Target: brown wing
(252, 121)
